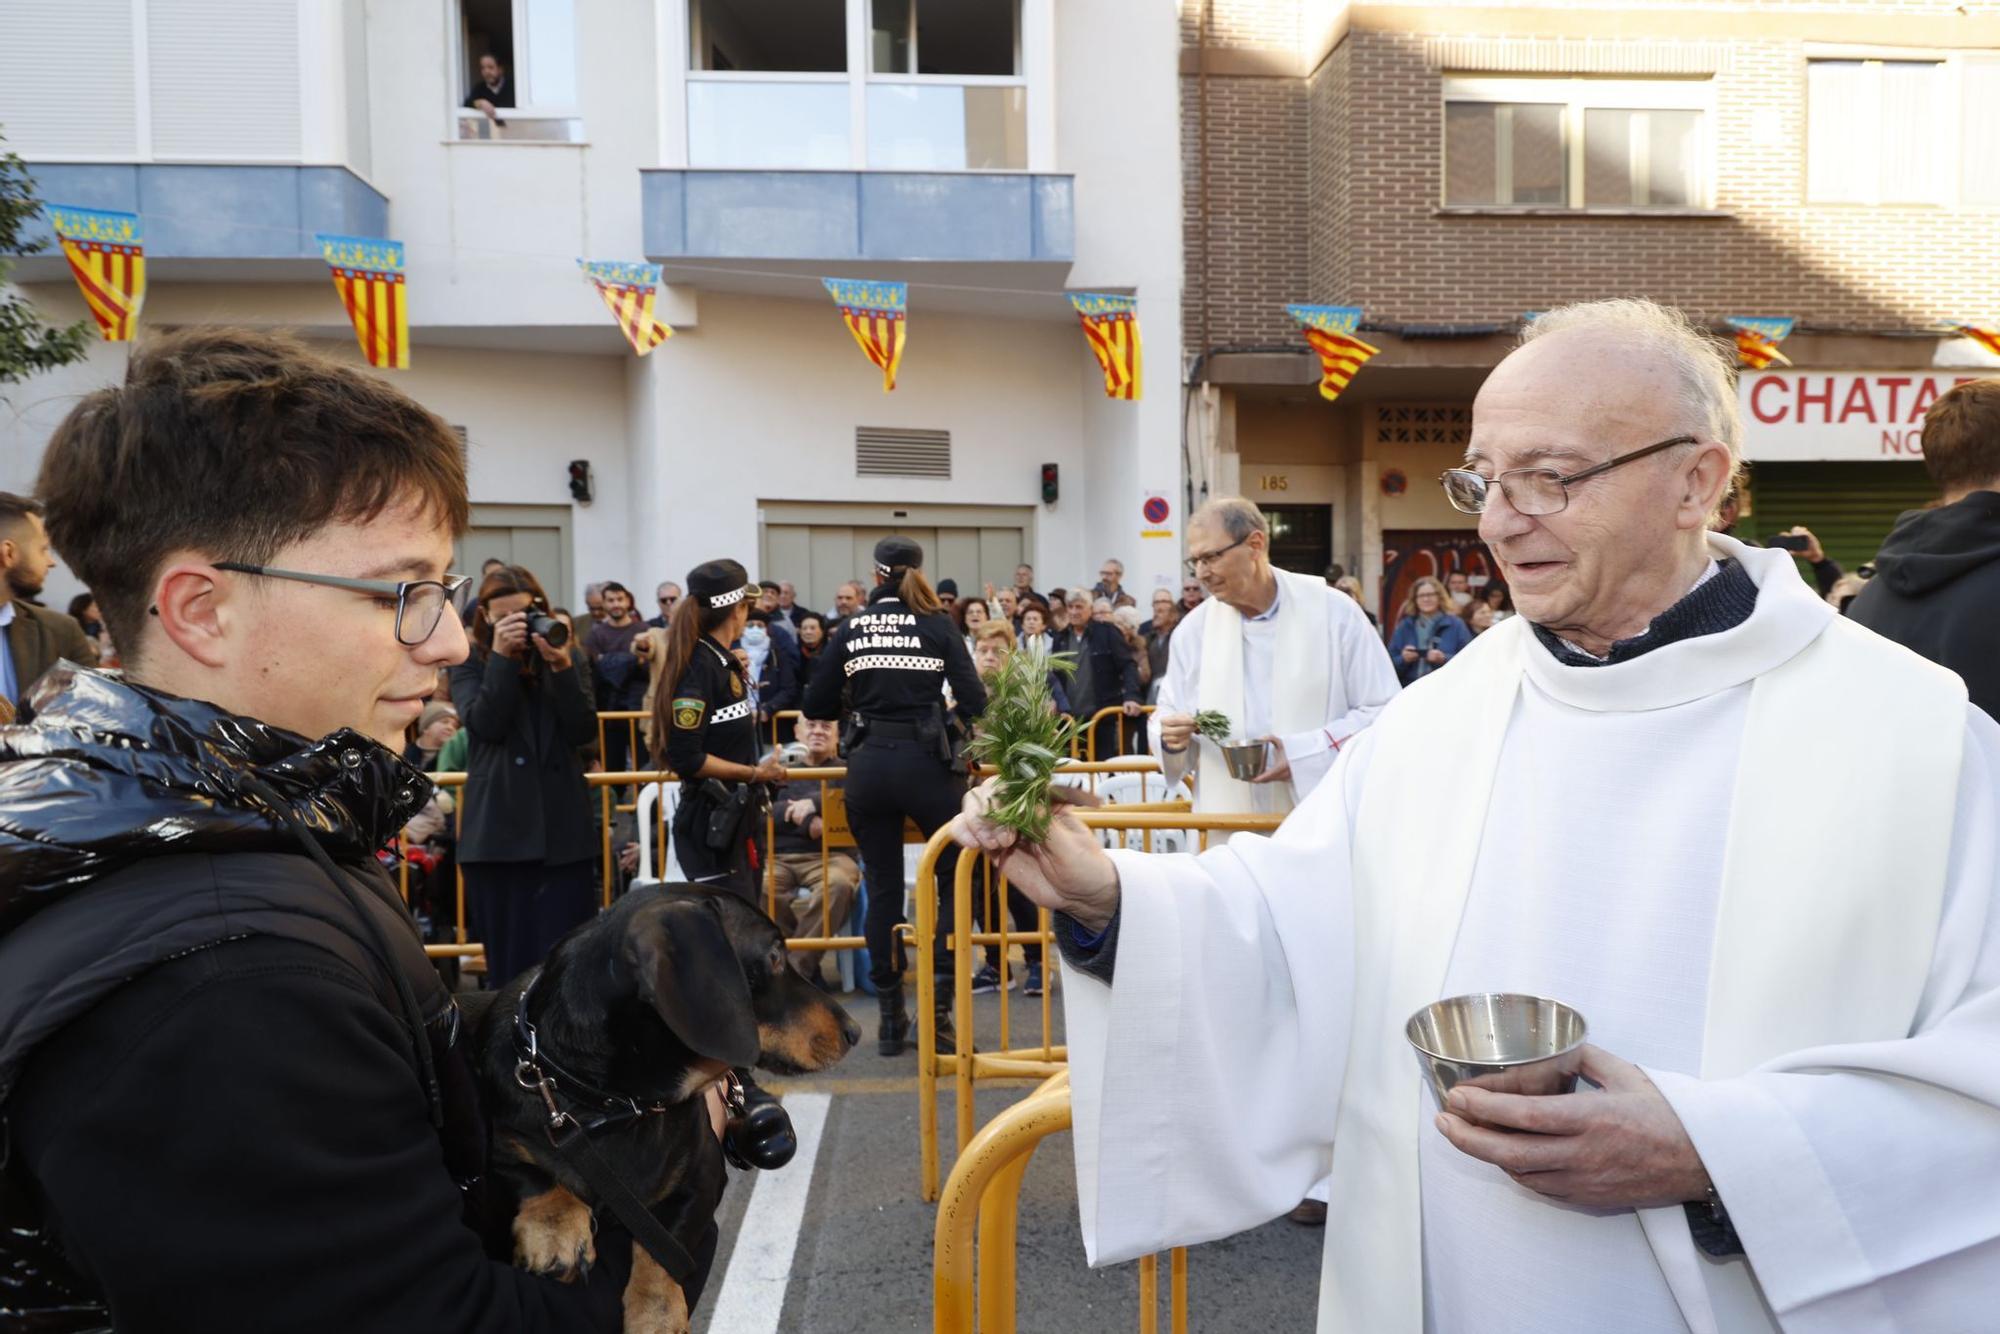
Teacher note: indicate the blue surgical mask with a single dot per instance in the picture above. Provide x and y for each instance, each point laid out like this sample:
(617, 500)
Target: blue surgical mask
(756, 638)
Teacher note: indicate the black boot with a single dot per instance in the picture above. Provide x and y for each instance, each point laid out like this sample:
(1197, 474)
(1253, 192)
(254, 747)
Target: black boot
(947, 1034)
(892, 1033)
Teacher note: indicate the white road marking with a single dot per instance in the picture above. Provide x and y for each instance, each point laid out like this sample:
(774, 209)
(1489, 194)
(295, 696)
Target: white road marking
(760, 1264)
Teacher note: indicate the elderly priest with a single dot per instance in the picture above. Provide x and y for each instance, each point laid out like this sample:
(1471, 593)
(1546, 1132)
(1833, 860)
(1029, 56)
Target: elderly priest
(1754, 844)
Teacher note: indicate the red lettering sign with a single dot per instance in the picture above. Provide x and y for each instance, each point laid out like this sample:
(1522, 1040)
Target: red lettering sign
(1858, 403)
(1824, 397)
(1895, 384)
(1757, 408)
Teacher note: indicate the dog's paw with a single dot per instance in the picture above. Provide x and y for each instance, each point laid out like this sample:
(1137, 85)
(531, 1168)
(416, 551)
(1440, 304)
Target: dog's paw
(553, 1235)
(654, 1303)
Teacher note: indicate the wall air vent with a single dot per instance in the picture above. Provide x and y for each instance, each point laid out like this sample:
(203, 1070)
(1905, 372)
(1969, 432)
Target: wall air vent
(882, 451)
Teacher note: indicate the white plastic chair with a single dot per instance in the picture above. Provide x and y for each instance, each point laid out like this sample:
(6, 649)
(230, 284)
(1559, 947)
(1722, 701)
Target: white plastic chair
(650, 796)
(1114, 789)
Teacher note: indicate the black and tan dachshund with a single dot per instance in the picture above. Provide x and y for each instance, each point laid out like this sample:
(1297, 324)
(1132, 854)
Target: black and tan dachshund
(630, 1017)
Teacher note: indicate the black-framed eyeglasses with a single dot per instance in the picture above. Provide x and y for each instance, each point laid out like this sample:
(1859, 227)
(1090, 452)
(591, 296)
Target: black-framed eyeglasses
(420, 603)
(1195, 563)
(1534, 490)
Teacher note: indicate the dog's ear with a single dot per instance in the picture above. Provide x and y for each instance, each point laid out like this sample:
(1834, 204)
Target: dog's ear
(687, 969)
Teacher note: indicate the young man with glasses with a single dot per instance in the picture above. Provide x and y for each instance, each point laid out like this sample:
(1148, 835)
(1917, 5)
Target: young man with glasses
(235, 1093)
(1615, 800)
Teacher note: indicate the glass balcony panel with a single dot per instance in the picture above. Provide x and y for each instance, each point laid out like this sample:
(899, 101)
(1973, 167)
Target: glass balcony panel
(947, 127)
(768, 125)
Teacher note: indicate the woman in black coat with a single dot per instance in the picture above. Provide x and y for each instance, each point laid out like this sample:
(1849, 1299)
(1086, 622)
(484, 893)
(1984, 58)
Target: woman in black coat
(528, 842)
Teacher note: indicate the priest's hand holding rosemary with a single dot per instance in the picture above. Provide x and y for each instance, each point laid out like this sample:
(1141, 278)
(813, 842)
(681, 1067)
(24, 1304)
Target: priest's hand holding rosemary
(1618, 1146)
(1020, 818)
(1067, 872)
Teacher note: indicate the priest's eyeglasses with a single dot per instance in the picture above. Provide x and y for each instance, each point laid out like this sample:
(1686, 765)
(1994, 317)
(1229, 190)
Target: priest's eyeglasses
(1196, 564)
(420, 603)
(1534, 490)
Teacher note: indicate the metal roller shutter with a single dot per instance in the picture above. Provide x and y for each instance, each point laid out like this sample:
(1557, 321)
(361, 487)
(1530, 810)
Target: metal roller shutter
(225, 79)
(1850, 507)
(66, 79)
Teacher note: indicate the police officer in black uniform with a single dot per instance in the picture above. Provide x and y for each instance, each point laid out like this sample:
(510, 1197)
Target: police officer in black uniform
(892, 660)
(706, 728)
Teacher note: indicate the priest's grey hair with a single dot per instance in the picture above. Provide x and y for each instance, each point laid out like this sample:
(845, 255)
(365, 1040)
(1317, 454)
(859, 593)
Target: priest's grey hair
(1701, 362)
(1238, 517)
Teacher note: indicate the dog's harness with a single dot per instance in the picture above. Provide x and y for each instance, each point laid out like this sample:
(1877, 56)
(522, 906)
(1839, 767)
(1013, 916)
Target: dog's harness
(570, 1134)
(538, 1072)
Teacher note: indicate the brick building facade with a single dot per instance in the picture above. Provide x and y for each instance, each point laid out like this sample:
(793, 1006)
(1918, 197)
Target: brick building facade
(1450, 166)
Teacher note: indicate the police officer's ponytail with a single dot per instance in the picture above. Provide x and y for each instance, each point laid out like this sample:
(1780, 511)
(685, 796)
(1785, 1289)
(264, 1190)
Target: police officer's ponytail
(917, 593)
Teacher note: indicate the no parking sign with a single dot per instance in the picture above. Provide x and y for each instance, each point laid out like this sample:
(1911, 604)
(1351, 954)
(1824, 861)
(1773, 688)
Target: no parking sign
(1156, 510)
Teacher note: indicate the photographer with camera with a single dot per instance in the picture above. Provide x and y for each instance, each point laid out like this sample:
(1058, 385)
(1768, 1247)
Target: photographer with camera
(528, 841)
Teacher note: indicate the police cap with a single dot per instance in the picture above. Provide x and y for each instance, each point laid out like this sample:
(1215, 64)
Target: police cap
(897, 553)
(720, 583)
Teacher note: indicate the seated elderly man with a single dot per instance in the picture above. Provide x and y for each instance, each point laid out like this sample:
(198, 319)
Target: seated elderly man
(825, 886)
(1789, 1117)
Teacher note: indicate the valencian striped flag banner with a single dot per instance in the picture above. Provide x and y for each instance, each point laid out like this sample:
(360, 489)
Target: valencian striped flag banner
(1329, 330)
(1986, 335)
(106, 253)
(1757, 339)
(630, 290)
(875, 313)
(1111, 327)
(368, 273)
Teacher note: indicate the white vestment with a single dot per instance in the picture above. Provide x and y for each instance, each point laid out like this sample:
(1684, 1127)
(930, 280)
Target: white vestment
(1309, 670)
(1762, 863)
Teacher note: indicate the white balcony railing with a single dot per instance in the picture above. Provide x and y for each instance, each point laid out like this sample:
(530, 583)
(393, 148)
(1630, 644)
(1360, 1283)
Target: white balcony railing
(528, 127)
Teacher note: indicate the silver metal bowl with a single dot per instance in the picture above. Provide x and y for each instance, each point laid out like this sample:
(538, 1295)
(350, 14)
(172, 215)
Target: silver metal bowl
(1247, 759)
(1498, 1040)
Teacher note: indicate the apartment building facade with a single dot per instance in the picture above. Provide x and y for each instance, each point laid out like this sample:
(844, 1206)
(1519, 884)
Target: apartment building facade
(1452, 166)
(992, 154)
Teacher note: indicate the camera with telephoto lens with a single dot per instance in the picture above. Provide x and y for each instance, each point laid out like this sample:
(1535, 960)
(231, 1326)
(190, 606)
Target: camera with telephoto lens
(548, 627)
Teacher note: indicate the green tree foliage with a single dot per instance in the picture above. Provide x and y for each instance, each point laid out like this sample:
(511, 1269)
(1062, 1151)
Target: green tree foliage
(29, 344)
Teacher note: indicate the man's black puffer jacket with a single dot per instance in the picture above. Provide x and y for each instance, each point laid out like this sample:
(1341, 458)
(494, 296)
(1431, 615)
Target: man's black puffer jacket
(224, 1111)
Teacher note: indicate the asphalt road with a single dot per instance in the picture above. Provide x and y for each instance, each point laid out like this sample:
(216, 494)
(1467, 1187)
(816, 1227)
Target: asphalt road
(861, 1261)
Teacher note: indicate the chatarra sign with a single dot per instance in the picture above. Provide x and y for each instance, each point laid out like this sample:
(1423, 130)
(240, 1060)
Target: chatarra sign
(1806, 416)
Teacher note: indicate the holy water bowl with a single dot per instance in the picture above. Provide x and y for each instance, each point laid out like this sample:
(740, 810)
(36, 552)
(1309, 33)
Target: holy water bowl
(1502, 1041)
(1246, 759)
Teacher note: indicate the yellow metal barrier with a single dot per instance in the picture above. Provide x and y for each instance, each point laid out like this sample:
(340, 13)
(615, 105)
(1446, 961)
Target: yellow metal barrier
(965, 1066)
(1035, 1062)
(783, 716)
(631, 720)
(1086, 733)
(606, 784)
(984, 1192)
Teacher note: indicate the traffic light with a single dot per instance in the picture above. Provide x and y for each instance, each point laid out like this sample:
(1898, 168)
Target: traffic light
(579, 481)
(1049, 487)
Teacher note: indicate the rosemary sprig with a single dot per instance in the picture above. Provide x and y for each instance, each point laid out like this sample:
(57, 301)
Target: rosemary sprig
(1213, 724)
(1023, 737)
